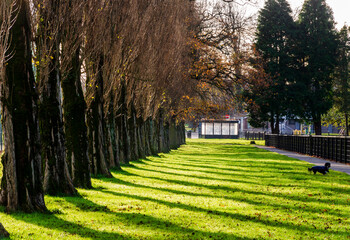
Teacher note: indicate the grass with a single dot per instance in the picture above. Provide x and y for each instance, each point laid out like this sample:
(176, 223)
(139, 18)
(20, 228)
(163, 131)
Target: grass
(207, 189)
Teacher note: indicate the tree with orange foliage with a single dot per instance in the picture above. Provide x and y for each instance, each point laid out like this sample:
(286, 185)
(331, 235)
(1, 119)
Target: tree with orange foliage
(218, 58)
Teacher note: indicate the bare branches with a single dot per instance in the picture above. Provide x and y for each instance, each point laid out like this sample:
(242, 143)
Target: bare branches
(8, 8)
(144, 47)
(242, 2)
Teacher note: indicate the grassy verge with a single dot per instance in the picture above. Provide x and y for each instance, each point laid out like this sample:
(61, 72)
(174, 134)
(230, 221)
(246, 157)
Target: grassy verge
(207, 189)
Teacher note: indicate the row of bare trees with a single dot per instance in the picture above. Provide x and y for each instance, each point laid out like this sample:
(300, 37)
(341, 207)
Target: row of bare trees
(87, 86)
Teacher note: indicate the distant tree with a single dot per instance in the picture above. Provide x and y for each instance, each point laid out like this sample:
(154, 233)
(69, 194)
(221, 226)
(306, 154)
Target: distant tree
(339, 114)
(257, 93)
(317, 57)
(335, 118)
(218, 47)
(274, 37)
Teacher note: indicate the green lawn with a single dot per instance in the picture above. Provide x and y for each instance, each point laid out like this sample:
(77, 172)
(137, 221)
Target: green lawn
(208, 189)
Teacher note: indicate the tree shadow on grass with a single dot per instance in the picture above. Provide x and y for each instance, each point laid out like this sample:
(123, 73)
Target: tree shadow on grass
(243, 199)
(245, 218)
(237, 179)
(139, 220)
(288, 171)
(51, 221)
(221, 148)
(189, 175)
(260, 172)
(280, 171)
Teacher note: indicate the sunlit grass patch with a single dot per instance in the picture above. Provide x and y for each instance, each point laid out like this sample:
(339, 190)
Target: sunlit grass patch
(207, 189)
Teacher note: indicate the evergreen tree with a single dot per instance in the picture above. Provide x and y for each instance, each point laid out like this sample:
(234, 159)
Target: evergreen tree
(274, 36)
(341, 76)
(317, 56)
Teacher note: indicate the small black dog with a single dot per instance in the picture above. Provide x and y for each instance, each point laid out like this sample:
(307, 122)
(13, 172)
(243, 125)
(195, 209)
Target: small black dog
(321, 169)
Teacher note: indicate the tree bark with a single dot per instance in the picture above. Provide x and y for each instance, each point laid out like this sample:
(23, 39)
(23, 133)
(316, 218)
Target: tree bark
(318, 127)
(74, 107)
(147, 137)
(112, 138)
(120, 142)
(183, 132)
(21, 185)
(154, 137)
(277, 125)
(160, 134)
(141, 137)
(133, 134)
(173, 134)
(96, 125)
(166, 143)
(57, 179)
(122, 113)
(272, 123)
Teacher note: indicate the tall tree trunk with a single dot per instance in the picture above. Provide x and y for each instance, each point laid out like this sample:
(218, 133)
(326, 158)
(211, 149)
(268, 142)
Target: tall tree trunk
(141, 137)
(21, 185)
(96, 125)
(318, 126)
(154, 137)
(122, 115)
(135, 137)
(277, 124)
(120, 140)
(112, 138)
(166, 144)
(57, 179)
(147, 137)
(183, 132)
(160, 131)
(272, 123)
(74, 107)
(132, 133)
(173, 134)
(346, 124)
(124, 139)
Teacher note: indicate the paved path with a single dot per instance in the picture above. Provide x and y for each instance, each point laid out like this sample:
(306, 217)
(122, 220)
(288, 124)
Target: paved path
(317, 161)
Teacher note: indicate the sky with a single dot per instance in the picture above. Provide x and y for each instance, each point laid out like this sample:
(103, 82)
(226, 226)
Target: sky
(341, 9)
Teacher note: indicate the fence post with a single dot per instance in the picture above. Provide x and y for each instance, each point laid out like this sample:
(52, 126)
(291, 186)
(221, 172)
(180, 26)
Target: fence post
(311, 146)
(341, 149)
(346, 150)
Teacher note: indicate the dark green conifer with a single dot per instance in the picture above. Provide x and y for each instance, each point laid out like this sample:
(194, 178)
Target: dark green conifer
(342, 76)
(274, 40)
(317, 57)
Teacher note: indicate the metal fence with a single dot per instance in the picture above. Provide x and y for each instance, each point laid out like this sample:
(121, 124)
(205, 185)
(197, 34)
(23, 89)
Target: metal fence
(1, 139)
(327, 147)
(254, 135)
